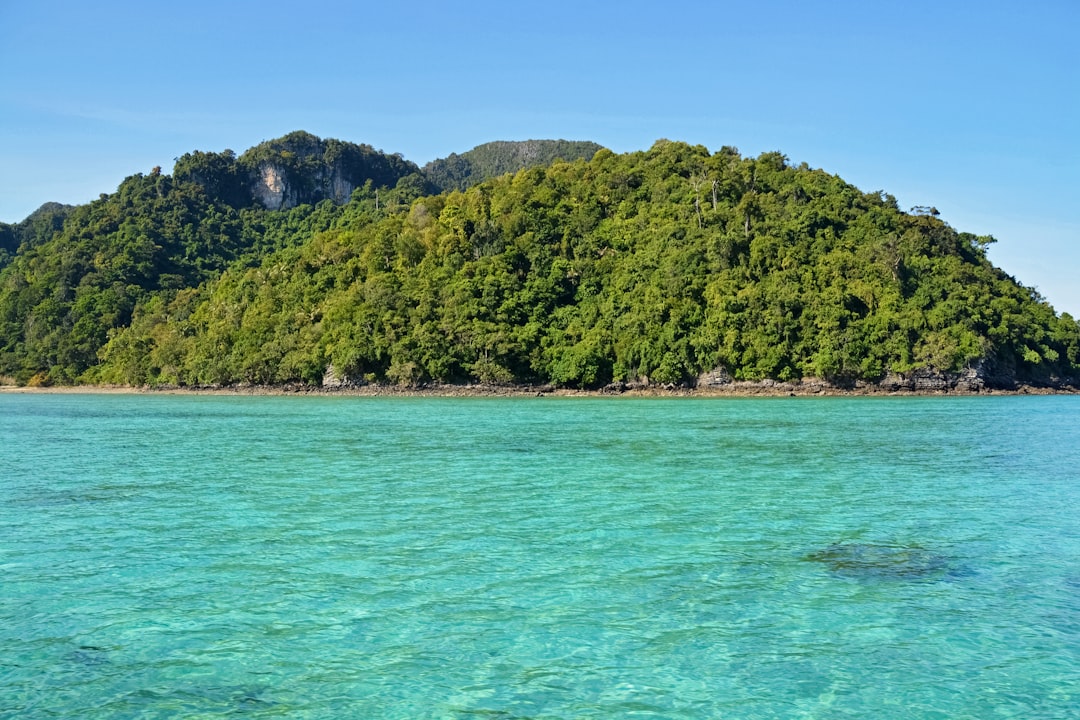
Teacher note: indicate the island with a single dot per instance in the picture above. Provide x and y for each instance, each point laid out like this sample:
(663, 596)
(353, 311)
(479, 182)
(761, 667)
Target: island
(544, 266)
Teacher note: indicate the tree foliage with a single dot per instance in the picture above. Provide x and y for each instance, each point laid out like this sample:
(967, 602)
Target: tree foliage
(657, 265)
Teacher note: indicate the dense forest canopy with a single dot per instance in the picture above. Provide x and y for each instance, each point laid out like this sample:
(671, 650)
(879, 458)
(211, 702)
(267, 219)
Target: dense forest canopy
(654, 266)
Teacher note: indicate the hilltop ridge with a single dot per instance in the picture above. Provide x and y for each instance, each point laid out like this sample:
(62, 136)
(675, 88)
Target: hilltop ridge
(301, 168)
(490, 160)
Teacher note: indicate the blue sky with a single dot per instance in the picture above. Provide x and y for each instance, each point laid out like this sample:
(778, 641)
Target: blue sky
(973, 108)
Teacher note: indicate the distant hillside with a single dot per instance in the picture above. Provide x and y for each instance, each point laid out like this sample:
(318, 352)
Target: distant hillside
(458, 172)
(322, 262)
(38, 227)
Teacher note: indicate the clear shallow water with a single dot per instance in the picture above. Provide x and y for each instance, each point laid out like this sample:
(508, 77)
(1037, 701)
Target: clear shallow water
(168, 556)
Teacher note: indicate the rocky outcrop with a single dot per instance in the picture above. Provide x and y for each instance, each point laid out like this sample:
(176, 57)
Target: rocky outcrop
(271, 188)
(984, 376)
(335, 380)
(340, 188)
(274, 191)
(717, 377)
(980, 376)
(301, 168)
(931, 380)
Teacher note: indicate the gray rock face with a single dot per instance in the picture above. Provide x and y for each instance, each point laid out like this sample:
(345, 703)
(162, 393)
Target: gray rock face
(717, 377)
(334, 380)
(301, 168)
(971, 380)
(340, 189)
(931, 380)
(271, 188)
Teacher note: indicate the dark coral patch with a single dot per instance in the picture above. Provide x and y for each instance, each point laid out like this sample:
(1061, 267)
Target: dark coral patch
(883, 561)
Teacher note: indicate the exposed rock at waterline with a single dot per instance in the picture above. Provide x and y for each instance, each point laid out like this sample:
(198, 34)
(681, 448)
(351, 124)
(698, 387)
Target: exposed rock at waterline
(717, 377)
(335, 380)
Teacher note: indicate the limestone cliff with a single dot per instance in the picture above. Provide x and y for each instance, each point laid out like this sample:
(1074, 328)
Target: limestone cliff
(271, 188)
(302, 168)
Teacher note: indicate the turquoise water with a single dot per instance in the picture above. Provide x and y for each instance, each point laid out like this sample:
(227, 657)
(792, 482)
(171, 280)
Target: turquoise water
(167, 556)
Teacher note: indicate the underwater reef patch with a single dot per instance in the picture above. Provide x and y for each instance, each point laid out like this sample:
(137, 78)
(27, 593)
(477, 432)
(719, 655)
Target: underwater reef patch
(885, 561)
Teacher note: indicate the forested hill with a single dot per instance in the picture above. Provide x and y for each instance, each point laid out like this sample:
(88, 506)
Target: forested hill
(672, 265)
(483, 162)
(38, 227)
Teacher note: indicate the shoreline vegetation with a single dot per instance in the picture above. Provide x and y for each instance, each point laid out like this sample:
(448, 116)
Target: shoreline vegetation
(810, 387)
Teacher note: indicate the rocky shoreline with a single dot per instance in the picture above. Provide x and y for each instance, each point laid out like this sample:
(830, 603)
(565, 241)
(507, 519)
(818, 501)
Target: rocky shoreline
(807, 387)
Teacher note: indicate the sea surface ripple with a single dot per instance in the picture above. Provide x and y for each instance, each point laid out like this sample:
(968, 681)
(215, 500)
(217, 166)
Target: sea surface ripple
(321, 557)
